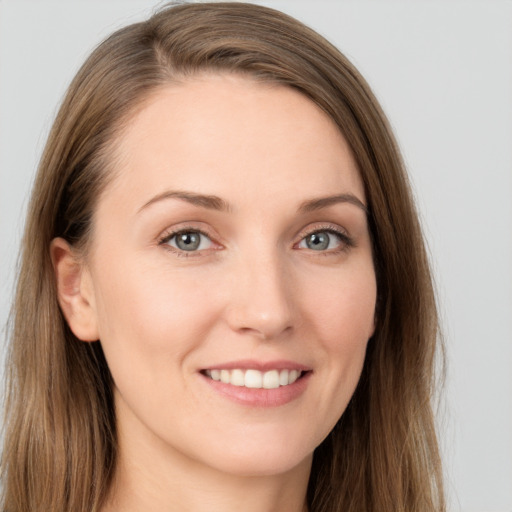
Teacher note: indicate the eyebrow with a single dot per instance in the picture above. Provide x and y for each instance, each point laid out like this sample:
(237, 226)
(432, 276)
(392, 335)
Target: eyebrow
(205, 201)
(213, 202)
(324, 202)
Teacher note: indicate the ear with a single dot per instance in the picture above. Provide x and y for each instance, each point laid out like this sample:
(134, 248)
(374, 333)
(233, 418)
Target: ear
(74, 290)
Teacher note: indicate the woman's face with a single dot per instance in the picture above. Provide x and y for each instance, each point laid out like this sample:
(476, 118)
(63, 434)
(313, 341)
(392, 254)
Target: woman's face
(232, 244)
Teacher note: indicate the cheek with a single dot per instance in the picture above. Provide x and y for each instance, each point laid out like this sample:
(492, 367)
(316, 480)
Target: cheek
(151, 316)
(342, 315)
(342, 307)
(151, 324)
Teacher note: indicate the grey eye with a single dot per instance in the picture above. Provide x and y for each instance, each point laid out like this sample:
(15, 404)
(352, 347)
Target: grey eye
(318, 241)
(321, 241)
(190, 241)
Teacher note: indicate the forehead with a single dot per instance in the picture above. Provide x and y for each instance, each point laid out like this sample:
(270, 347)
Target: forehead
(236, 138)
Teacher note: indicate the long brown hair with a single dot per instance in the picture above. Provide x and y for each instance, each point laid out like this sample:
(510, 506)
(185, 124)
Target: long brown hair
(60, 439)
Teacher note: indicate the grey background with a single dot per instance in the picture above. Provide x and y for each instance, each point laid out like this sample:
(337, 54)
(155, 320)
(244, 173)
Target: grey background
(443, 72)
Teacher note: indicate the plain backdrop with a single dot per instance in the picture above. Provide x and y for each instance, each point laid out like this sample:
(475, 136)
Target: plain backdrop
(443, 72)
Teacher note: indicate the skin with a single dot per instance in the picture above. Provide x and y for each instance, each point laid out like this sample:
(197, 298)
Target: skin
(253, 290)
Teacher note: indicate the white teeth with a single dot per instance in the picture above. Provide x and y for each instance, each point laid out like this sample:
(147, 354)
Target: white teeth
(294, 375)
(255, 379)
(237, 378)
(283, 377)
(271, 379)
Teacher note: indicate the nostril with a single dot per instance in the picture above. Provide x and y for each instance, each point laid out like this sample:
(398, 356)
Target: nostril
(266, 332)
(260, 304)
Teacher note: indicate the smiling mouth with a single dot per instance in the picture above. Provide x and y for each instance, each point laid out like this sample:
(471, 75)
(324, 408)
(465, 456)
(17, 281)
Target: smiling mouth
(255, 379)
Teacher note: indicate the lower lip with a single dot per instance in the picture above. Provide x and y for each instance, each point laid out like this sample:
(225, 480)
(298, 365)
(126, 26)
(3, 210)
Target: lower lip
(260, 397)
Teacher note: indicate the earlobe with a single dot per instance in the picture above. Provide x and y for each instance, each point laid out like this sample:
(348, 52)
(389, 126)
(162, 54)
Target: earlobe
(74, 291)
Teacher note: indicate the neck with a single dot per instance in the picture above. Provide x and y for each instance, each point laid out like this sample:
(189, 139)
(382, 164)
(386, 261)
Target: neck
(184, 486)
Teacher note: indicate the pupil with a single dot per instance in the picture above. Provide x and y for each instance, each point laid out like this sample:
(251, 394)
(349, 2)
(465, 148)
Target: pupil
(188, 241)
(318, 241)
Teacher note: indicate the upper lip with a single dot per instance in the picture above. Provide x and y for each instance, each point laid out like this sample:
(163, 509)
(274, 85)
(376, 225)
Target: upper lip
(262, 366)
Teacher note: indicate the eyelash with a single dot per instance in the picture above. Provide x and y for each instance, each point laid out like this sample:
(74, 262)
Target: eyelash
(168, 236)
(346, 242)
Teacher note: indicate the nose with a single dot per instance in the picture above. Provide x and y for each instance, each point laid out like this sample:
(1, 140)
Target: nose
(261, 299)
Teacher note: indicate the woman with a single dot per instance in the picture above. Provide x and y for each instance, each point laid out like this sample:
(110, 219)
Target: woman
(224, 299)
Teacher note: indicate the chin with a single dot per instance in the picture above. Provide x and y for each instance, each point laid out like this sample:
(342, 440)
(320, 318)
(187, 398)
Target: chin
(268, 458)
(264, 464)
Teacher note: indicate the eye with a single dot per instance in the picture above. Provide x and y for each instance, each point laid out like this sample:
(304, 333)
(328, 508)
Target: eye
(189, 241)
(324, 240)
